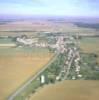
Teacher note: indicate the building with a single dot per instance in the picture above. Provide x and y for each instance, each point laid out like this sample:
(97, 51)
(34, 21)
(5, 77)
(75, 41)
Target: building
(42, 78)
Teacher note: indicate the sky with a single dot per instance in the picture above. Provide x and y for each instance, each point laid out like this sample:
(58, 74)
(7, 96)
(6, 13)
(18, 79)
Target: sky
(50, 7)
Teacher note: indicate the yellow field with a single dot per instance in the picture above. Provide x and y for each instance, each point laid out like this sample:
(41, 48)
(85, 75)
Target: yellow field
(17, 68)
(69, 90)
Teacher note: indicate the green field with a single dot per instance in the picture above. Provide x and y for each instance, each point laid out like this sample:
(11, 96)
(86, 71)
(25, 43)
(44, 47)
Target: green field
(90, 45)
(16, 50)
(6, 40)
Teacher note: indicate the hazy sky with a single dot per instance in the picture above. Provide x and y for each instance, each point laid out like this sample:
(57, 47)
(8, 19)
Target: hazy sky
(50, 7)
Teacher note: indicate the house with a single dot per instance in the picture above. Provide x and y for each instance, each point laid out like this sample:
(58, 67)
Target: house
(42, 78)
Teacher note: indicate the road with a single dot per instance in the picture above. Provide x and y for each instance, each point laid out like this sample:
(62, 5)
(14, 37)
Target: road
(69, 65)
(21, 88)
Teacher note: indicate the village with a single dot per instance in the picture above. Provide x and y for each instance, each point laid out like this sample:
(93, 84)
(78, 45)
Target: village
(58, 43)
(71, 59)
(62, 45)
(68, 61)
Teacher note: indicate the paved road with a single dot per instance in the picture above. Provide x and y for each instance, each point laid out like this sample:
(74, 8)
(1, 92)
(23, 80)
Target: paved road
(19, 90)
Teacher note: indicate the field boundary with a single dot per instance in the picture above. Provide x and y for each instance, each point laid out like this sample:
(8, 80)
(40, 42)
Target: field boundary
(25, 84)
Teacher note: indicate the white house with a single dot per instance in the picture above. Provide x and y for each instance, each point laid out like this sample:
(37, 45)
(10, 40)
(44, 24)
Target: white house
(42, 79)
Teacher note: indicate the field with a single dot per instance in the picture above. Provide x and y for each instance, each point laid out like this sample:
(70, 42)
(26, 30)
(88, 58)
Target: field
(21, 50)
(17, 65)
(90, 45)
(69, 90)
(31, 27)
(7, 45)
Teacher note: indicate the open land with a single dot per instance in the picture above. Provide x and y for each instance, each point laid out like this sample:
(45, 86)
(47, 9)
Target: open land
(34, 26)
(17, 66)
(19, 62)
(69, 90)
(90, 45)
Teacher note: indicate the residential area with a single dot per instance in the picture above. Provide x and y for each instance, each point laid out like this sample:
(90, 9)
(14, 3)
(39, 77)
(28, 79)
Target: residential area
(68, 63)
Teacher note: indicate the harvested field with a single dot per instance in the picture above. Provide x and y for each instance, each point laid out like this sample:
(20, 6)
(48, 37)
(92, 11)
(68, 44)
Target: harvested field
(31, 26)
(15, 69)
(69, 90)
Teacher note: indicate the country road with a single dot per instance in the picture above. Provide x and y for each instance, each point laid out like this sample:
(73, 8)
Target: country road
(69, 66)
(21, 88)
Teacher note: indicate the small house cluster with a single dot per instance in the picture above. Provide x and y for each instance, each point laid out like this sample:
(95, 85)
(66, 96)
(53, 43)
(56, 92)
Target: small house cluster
(32, 42)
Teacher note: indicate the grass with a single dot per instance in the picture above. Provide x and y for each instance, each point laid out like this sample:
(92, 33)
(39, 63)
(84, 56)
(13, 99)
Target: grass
(90, 45)
(8, 46)
(88, 67)
(6, 41)
(28, 90)
(24, 50)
